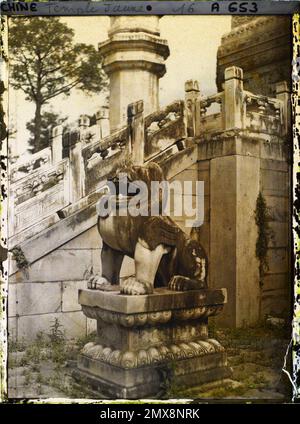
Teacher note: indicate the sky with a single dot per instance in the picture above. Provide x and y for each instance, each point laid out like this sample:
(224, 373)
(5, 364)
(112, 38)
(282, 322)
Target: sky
(193, 43)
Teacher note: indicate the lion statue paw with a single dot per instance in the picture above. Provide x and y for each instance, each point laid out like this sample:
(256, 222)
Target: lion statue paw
(135, 287)
(180, 283)
(96, 282)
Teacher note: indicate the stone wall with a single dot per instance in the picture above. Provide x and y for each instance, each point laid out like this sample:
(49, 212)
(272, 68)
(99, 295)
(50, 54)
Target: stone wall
(49, 289)
(234, 174)
(277, 288)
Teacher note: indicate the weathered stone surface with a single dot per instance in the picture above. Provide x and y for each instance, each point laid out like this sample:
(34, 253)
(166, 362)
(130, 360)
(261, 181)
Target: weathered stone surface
(276, 281)
(89, 239)
(185, 175)
(12, 328)
(162, 300)
(233, 230)
(274, 165)
(43, 192)
(11, 300)
(280, 234)
(32, 231)
(245, 143)
(41, 244)
(274, 150)
(137, 334)
(278, 208)
(187, 207)
(135, 70)
(202, 232)
(34, 298)
(222, 229)
(91, 326)
(274, 182)
(180, 161)
(96, 261)
(277, 261)
(203, 165)
(233, 89)
(70, 295)
(145, 382)
(157, 317)
(137, 338)
(203, 175)
(74, 324)
(276, 302)
(260, 47)
(127, 267)
(151, 356)
(116, 382)
(53, 267)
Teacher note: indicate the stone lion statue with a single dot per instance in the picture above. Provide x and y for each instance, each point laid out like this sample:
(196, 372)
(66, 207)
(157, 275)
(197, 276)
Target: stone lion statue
(164, 255)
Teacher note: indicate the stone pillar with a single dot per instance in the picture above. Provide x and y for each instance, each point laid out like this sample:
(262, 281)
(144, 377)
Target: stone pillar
(283, 93)
(136, 132)
(134, 56)
(83, 124)
(234, 187)
(77, 171)
(233, 107)
(102, 120)
(192, 107)
(57, 146)
(84, 121)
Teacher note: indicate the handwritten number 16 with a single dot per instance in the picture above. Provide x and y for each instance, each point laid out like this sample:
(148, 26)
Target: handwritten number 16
(181, 9)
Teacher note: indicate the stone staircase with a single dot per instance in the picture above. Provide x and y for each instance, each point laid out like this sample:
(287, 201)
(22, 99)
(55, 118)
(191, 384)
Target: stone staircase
(53, 195)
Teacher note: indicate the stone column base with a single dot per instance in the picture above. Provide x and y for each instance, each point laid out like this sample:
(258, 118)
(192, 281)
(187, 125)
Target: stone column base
(118, 383)
(148, 344)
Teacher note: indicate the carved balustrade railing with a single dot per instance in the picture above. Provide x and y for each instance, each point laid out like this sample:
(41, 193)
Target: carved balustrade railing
(211, 121)
(263, 114)
(100, 158)
(38, 195)
(79, 161)
(164, 127)
(239, 109)
(37, 160)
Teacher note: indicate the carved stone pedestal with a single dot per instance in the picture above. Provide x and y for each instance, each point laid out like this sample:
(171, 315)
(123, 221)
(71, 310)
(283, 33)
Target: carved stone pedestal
(142, 341)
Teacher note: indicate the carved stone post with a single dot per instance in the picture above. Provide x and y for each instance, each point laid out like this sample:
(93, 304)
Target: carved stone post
(283, 93)
(102, 121)
(83, 121)
(57, 147)
(83, 124)
(77, 172)
(233, 107)
(136, 131)
(192, 107)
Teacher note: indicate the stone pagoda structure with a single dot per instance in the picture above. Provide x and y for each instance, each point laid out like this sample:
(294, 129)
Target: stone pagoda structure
(134, 59)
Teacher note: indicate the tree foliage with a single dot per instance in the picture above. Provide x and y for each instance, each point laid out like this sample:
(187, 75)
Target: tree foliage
(45, 63)
(48, 121)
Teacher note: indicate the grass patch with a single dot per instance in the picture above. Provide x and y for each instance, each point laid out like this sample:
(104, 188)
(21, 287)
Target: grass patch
(256, 355)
